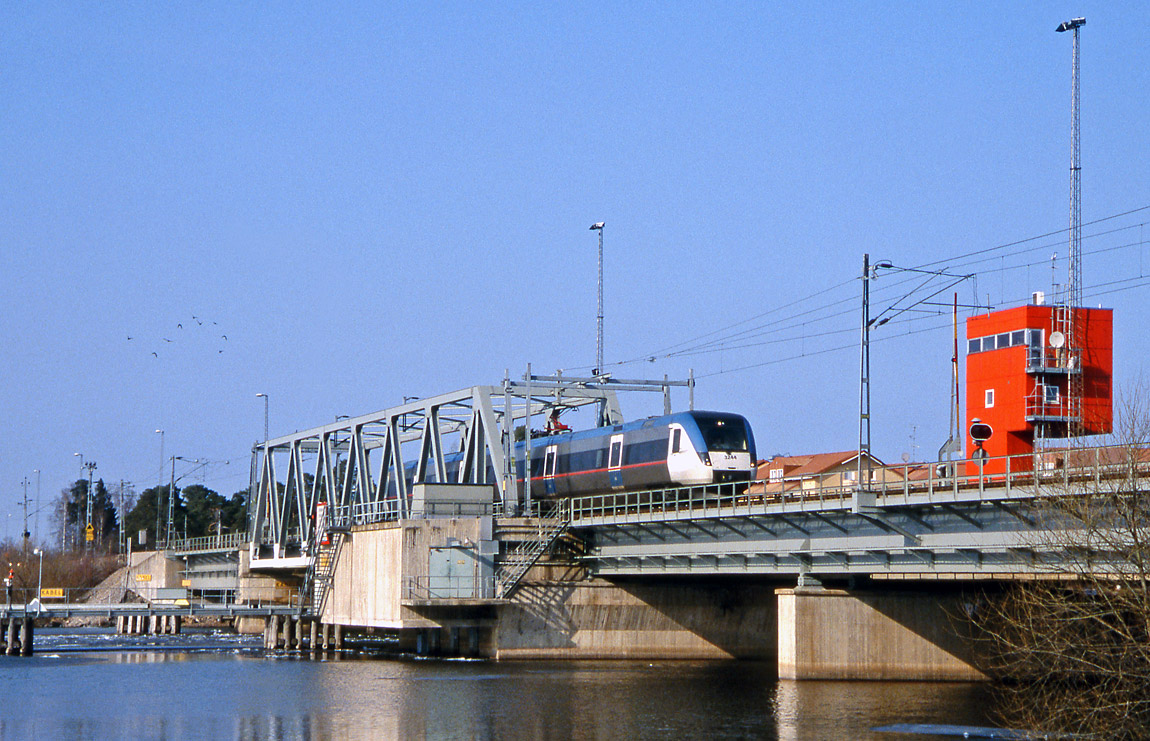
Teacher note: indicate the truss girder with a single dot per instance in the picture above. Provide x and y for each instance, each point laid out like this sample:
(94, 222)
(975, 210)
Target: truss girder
(368, 464)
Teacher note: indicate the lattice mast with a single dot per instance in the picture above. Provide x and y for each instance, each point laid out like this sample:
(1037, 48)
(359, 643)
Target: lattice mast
(1067, 315)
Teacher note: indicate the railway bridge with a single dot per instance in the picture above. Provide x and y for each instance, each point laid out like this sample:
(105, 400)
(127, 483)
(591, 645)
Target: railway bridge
(370, 525)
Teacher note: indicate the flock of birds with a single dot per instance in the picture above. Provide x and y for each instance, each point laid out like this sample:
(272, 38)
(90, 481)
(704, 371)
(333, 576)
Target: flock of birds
(198, 328)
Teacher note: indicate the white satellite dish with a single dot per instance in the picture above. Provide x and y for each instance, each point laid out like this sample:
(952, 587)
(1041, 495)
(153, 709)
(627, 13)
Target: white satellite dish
(1057, 339)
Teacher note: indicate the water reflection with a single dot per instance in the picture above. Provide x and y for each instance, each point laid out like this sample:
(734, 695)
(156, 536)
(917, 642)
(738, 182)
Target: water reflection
(243, 695)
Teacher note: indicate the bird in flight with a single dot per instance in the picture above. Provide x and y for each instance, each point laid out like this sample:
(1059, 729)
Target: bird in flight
(154, 355)
(165, 339)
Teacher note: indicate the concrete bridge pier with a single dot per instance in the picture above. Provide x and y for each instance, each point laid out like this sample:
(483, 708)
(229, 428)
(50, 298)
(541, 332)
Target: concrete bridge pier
(874, 635)
(272, 633)
(311, 636)
(27, 629)
(288, 634)
(12, 642)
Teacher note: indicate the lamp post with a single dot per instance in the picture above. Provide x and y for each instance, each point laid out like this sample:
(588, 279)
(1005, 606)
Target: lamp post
(81, 455)
(40, 580)
(159, 488)
(598, 227)
(37, 527)
(265, 398)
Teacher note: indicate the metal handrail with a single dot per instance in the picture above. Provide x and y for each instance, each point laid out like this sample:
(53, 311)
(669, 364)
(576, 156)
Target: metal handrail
(833, 490)
(209, 542)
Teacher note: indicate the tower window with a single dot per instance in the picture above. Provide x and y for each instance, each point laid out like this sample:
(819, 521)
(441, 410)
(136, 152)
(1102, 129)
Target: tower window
(989, 398)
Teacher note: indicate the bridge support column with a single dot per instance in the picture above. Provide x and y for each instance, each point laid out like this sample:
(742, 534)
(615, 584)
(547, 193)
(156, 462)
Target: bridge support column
(177, 624)
(326, 636)
(338, 630)
(290, 633)
(12, 644)
(879, 635)
(311, 636)
(272, 633)
(26, 637)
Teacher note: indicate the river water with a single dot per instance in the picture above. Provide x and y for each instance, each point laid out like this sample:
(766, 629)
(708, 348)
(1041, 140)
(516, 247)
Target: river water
(216, 685)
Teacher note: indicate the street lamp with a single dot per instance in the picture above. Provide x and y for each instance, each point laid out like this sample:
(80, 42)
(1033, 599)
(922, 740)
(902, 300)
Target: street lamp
(265, 398)
(40, 580)
(159, 487)
(598, 227)
(37, 472)
(81, 456)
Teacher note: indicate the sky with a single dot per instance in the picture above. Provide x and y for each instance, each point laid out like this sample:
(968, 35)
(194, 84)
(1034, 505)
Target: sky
(343, 204)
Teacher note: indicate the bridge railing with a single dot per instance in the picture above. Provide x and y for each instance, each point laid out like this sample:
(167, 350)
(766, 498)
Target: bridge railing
(225, 541)
(449, 587)
(1007, 475)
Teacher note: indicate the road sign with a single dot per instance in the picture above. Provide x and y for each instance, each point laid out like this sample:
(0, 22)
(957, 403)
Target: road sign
(47, 592)
(89, 532)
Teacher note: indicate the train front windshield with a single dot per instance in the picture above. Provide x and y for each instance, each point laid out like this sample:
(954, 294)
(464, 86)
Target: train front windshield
(724, 434)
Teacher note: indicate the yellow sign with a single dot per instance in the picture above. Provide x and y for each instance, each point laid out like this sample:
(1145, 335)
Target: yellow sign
(143, 577)
(51, 592)
(186, 583)
(89, 532)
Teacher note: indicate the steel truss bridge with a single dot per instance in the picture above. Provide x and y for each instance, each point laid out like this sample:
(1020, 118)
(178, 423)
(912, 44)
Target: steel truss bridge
(364, 468)
(962, 526)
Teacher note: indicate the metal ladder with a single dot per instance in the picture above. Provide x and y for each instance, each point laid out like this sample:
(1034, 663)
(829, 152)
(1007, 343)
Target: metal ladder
(517, 563)
(320, 571)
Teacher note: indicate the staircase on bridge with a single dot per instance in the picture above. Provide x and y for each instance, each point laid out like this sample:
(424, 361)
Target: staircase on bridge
(321, 570)
(515, 564)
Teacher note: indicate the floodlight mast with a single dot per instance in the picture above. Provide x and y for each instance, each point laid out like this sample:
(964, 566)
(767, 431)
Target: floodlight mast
(1073, 300)
(598, 227)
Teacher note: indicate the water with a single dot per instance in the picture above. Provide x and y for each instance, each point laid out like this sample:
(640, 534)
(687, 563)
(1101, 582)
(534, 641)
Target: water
(214, 685)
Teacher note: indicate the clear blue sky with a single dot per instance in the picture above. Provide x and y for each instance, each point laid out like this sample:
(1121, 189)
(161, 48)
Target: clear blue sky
(378, 201)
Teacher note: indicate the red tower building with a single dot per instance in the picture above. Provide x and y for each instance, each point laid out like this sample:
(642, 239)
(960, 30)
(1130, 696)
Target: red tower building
(1018, 379)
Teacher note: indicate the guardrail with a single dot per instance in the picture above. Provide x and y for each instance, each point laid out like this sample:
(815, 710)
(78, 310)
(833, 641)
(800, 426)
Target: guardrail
(1052, 468)
(448, 587)
(226, 541)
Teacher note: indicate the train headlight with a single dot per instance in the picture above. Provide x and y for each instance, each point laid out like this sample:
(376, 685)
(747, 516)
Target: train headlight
(706, 458)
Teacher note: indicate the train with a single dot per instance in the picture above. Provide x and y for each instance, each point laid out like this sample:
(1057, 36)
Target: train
(682, 449)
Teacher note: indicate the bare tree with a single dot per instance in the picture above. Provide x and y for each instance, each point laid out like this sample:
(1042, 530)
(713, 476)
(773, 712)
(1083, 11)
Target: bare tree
(1070, 648)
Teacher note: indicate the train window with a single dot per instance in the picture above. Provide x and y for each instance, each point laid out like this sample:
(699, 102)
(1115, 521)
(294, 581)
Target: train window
(549, 466)
(647, 452)
(724, 435)
(616, 450)
(676, 440)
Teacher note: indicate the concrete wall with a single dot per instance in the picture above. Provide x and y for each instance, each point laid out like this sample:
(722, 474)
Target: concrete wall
(834, 634)
(149, 571)
(257, 589)
(696, 619)
(368, 586)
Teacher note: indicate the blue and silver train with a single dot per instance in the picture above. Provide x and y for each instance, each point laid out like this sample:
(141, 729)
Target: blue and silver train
(683, 449)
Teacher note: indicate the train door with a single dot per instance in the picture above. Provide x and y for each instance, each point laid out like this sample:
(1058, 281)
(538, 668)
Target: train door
(684, 466)
(615, 462)
(549, 458)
